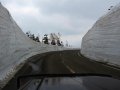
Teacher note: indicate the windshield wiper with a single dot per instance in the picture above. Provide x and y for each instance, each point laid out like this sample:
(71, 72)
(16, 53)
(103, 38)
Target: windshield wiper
(38, 87)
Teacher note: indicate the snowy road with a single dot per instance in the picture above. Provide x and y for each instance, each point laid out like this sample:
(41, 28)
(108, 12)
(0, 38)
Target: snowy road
(62, 62)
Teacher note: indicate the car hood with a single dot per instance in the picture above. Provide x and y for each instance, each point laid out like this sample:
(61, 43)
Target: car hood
(74, 83)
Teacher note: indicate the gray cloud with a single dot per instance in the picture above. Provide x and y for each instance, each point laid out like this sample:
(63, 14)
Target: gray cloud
(76, 8)
(69, 17)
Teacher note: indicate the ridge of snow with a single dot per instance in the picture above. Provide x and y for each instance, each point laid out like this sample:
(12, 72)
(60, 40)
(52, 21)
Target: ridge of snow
(102, 41)
(16, 47)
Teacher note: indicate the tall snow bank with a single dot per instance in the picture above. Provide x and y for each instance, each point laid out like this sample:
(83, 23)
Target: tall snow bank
(102, 41)
(16, 47)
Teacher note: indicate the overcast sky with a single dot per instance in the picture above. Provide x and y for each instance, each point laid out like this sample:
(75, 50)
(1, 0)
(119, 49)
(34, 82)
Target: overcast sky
(71, 18)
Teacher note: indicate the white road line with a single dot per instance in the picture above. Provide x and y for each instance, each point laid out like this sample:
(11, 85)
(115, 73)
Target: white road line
(71, 70)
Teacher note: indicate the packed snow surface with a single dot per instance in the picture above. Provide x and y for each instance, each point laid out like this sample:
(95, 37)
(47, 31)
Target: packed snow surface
(16, 47)
(102, 41)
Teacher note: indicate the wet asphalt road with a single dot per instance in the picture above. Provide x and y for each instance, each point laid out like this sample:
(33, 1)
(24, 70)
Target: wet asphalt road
(63, 62)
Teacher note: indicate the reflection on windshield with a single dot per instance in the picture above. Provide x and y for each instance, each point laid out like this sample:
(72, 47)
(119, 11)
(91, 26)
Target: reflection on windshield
(83, 83)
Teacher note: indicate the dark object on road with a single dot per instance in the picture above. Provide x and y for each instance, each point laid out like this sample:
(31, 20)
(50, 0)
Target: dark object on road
(68, 82)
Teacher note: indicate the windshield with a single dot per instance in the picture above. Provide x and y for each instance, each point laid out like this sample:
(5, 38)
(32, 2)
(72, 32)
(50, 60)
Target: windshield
(73, 83)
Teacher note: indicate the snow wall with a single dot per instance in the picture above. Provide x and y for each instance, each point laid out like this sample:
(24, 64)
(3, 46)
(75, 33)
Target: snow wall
(102, 41)
(16, 47)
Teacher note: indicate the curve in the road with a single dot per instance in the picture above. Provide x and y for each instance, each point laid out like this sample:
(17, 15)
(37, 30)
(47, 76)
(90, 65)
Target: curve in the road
(62, 62)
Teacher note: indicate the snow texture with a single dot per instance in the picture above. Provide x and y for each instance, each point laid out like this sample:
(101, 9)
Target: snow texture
(102, 41)
(16, 47)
